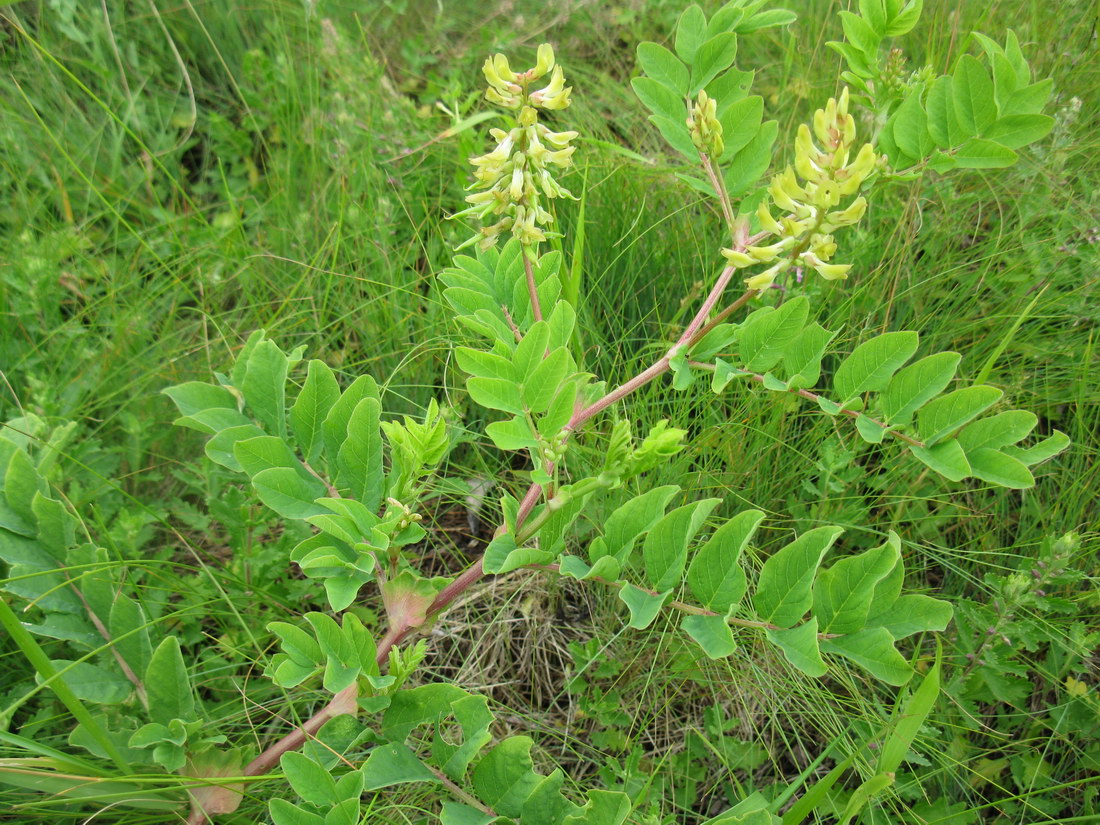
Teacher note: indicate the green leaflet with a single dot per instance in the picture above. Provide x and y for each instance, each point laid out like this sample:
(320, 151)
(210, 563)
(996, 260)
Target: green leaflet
(842, 593)
(691, 32)
(715, 55)
(317, 397)
(195, 396)
(665, 550)
(644, 606)
(334, 429)
(872, 364)
(167, 684)
(393, 764)
(264, 385)
(715, 577)
(766, 333)
(505, 777)
(783, 593)
(664, 67)
(286, 492)
(873, 650)
(972, 98)
(629, 521)
(711, 633)
(916, 385)
(800, 645)
(359, 459)
(940, 418)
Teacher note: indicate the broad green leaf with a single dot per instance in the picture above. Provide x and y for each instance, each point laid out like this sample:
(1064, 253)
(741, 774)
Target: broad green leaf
(485, 364)
(496, 394)
(1047, 448)
(92, 683)
(644, 606)
(392, 764)
(940, 418)
(505, 776)
(455, 814)
(286, 813)
(127, 624)
(998, 430)
(938, 107)
(873, 650)
(715, 577)
(842, 593)
(800, 645)
(546, 802)
(729, 87)
(998, 468)
(859, 33)
(542, 383)
(874, 15)
(744, 169)
(766, 335)
(503, 556)
(715, 55)
(904, 20)
(531, 350)
(914, 386)
(658, 98)
(418, 706)
(783, 594)
(630, 520)
(213, 420)
(712, 634)
(910, 130)
(869, 430)
(665, 549)
(254, 455)
(56, 525)
(560, 411)
(319, 393)
(1015, 131)
(310, 780)
(473, 717)
(167, 684)
(513, 434)
(725, 19)
(335, 427)
(978, 153)
(914, 613)
(220, 447)
(972, 96)
(1029, 100)
(909, 716)
(664, 67)
(677, 135)
(196, 396)
(947, 459)
(603, 808)
(691, 32)
(872, 364)
(264, 385)
(802, 357)
(289, 494)
(359, 460)
(741, 122)
(21, 483)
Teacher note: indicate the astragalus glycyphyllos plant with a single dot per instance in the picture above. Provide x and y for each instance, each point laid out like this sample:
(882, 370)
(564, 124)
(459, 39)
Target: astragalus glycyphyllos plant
(352, 481)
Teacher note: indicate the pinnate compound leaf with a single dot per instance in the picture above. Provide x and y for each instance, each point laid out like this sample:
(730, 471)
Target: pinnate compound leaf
(800, 645)
(664, 67)
(873, 650)
(783, 594)
(393, 764)
(665, 550)
(307, 416)
(712, 634)
(505, 777)
(286, 492)
(167, 684)
(842, 594)
(914, 386)
(715, 576)
(940, 418)
(644, 606)
(872, 364)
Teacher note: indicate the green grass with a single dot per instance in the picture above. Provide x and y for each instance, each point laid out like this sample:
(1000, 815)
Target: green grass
(175, 177)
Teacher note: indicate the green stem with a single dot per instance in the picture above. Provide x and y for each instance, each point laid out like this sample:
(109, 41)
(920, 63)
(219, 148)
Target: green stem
(52, 679)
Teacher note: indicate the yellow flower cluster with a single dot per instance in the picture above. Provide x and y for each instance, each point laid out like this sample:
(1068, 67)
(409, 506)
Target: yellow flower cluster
(703, 124)
(514, 177)
(810, 194)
